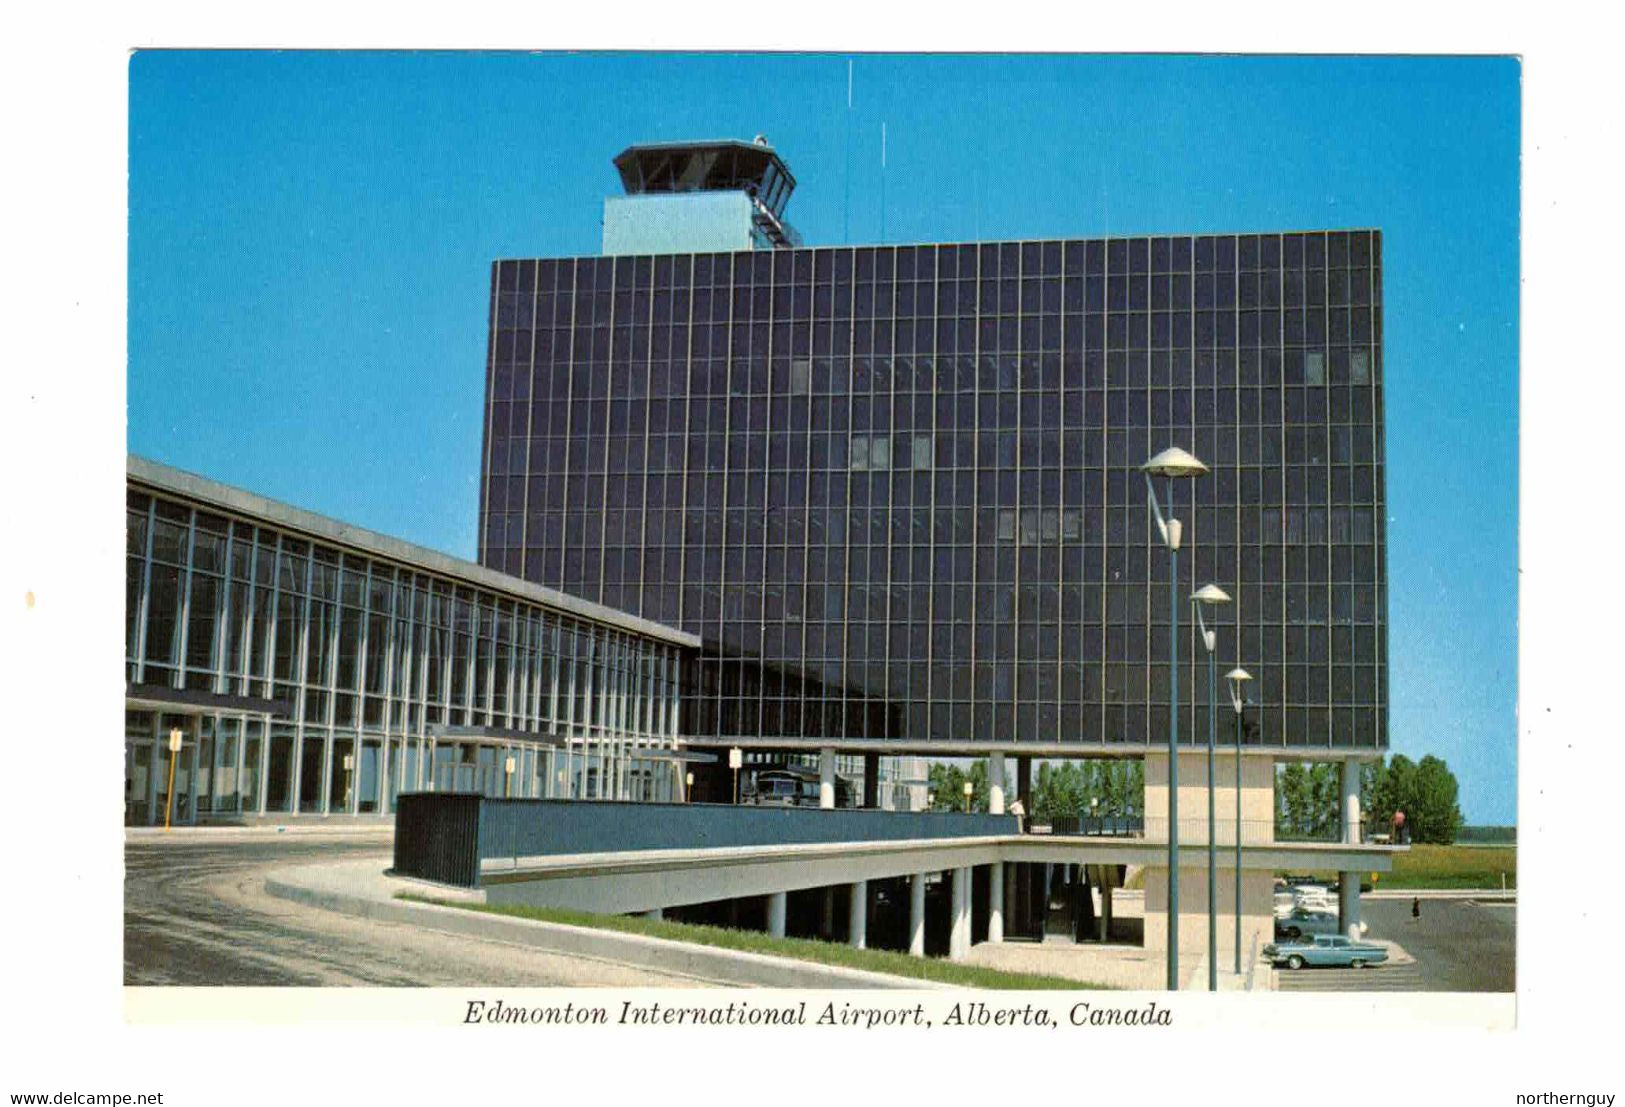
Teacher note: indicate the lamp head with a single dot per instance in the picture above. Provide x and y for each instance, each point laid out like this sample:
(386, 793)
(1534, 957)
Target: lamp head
(1174, 462)
(1237, 679)
(1211, 594)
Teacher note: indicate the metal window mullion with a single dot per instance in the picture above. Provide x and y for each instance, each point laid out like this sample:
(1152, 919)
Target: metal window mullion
(360, 686)
(246, 672)
(530, 420)
(931, 500)
(301, 687)
(1015, 578)
(846, 539)
(609, 407)
(183, 632)
(641, 604)
(490, 418)
(145, 599)
(222, 630)
(688, 434)
(891, 470)
(330, 739)
(727, 434)
(976, 475)
(1326, 486)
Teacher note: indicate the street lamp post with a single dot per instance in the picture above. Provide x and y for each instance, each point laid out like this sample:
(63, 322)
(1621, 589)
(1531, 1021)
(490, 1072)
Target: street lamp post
(1238, 678)
(1172, 463)
(1203, 597)
(175, 741)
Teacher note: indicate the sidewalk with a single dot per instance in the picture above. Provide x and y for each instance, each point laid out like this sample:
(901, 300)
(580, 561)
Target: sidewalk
(1510, 894)
(384, 832)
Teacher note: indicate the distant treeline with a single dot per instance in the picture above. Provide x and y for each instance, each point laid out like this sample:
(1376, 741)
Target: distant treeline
(1507, 834)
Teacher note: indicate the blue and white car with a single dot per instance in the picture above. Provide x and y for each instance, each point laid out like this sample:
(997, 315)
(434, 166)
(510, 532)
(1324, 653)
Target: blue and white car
(1325, 949)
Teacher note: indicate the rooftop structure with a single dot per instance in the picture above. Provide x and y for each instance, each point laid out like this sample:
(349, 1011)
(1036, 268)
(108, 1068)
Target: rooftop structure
(686, 196)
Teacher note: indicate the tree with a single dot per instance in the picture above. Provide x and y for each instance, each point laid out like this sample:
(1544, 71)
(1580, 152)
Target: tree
(1426, 791)
(1308, 799)
(947, 785)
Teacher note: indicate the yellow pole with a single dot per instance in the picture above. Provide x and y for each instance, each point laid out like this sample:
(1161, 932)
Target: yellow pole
(169, 794)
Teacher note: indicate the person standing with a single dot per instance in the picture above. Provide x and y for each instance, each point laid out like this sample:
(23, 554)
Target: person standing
(1416, 908)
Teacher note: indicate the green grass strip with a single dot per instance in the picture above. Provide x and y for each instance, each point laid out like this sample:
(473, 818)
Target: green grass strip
(801, 949)
(1441, 867)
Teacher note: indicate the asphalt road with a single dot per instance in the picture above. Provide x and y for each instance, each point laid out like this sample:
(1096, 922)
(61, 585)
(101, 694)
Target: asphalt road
(196, 913)
(1460, 945)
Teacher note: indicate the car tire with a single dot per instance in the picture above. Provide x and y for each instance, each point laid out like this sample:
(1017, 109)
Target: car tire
(1294, 962)
(1356, 964)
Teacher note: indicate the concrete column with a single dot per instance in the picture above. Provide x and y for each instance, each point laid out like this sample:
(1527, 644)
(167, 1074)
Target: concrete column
(995, 902)
(1024, 784)
(1351, 801)
(995, 784)
(775, 914)
(916, 914)
(959, 932)
(826, 914)
(871, 780)
(857, 915)
(654, 913)
(1348, 903)
(1106, 910)
(1012, 898)
(826, 778)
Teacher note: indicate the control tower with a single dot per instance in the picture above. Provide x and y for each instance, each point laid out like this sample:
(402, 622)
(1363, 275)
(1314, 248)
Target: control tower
(700, 197)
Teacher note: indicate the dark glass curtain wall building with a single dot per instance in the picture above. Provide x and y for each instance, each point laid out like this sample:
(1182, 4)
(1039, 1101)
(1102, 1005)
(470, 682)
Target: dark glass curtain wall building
(894, 489)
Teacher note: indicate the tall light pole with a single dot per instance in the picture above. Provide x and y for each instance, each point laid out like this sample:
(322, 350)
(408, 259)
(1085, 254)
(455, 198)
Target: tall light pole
(1202, 597)
(1173, 464)
(1238, 678)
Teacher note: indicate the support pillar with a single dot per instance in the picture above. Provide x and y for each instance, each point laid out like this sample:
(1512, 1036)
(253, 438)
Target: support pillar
(959, 931)
(1024, 784)
(995, 784)
(775, 914)
(1012, 897)
(1106, 909)
(654, 913)
(826, 914)
(857, 915)
(871, 780)
(826, 778)
(916, 914)
(1351, 802)
(995, 902)
(1348, 903)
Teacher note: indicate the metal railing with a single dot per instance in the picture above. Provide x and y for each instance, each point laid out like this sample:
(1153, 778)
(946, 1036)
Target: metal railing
(1193, 831)
(1096, 826)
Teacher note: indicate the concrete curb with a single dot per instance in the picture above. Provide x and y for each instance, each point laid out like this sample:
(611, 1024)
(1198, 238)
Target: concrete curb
(1488, 895)
(724, 967)
(268, 830)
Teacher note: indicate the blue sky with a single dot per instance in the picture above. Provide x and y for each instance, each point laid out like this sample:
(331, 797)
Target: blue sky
(311, 234)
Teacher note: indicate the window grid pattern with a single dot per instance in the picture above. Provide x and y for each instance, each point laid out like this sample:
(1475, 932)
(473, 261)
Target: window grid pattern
(371, 656)
(894, 489)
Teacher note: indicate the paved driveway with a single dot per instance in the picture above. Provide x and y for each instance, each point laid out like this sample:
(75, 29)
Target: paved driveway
(196, 913)
(1459, 945)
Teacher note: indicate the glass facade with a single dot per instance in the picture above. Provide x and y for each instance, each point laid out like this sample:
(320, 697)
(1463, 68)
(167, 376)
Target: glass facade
(895, 489)
(373, 675)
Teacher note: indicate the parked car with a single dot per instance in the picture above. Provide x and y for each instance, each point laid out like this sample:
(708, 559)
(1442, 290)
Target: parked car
(1325, 949)
(1303, 921)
